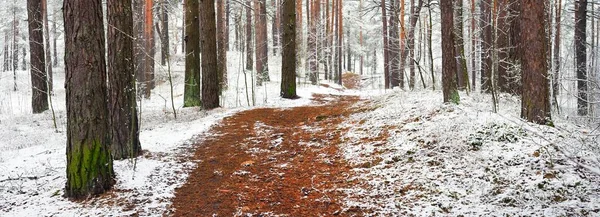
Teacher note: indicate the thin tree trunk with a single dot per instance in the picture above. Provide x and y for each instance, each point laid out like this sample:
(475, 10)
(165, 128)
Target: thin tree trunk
(39, 85)
(221, 45)
(340, 40)
(249, 45)
(48, 61)
(581, 57)
(486, 52)
(164, 42)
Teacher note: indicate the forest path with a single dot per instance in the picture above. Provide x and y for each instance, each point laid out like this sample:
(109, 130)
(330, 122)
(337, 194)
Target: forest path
(271, 161)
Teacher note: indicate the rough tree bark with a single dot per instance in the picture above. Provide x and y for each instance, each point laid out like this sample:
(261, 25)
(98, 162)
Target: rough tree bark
(39, 85)
(222, 45)
(191, 95)
(122, 104)
(89, 162)
(449, 85)
(581, 57)
(249, 45)
(535, 103)
(210, 69)
(288, 65)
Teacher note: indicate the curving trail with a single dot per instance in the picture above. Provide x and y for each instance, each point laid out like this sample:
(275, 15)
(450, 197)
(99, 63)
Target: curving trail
(267, 162)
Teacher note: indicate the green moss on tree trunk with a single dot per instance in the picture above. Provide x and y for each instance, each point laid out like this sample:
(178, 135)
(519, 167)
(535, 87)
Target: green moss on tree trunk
(89, 169)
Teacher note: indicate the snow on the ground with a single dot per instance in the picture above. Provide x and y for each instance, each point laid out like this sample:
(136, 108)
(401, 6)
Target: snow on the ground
(32, 152)
(464, 160)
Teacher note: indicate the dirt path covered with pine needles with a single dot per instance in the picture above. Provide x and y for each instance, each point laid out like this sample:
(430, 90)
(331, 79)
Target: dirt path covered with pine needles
(266, 162)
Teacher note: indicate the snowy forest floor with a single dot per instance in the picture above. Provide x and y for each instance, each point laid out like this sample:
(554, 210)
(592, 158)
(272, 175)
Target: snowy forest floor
(334, 151)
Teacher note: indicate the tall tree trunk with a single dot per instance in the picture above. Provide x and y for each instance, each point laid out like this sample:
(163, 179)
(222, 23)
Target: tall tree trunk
(486, 44)
(261, 42)
(249, 45)
(535, 103)
(396, 76)
(5, 59)
(149, 46)
(409, 53)
(89, 162)
(275, 26)
(461, 61)
(210, 67)
(299, 37)
(581, 57)
(164, 36)
(191, 94)
(39, 85)
(448, 53)
(312, 50)
(221, 45)
(54, 38)
(474, 44)
(15, 49)
(340, 40)
(122, 106)
(361, 38)
(430, 46)
(47, 46)
(288, 65)
(139, 51)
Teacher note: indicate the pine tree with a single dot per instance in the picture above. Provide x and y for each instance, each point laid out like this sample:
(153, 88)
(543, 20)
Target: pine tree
(39, 78)
(89, 162)
(191, 95)
(121, 81)
(210, 67)
(448, 53)
(288, 65)
(535, 103)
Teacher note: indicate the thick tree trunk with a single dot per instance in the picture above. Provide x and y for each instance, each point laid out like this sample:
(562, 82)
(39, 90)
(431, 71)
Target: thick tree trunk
(39, 85)
(89, 162)
(288, 65)
(312, 50)
(581, 57)
(121, 81)
(448, 53)
(535, 101)
(210, 68)
(191, 95)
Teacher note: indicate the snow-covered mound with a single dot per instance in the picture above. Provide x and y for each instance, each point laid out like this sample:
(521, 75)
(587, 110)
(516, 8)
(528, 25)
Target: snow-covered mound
(434, 158)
